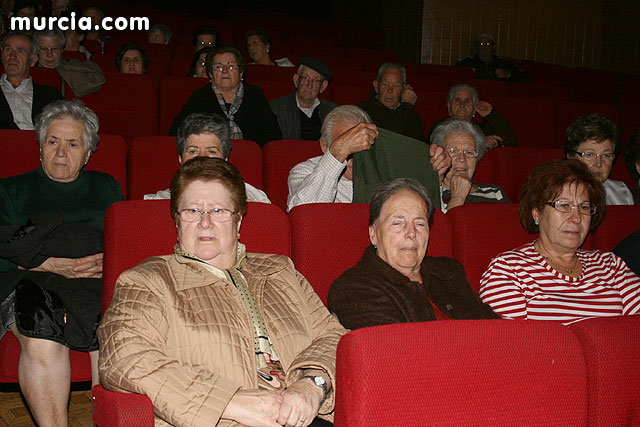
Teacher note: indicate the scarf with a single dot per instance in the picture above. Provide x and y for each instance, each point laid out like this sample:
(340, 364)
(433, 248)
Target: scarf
(236, 132)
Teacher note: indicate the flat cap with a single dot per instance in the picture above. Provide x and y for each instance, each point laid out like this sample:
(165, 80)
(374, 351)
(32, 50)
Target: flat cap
(316, 65)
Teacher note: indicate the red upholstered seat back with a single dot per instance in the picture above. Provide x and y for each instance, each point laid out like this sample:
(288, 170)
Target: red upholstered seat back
(137, 229)
(329, 238)
(567, 112)
(153, 160)
(173, 93)
(461, 372)
(612, 353)
(278, 159)
(483, 230)
(619, 222)
(21, 153)
(126, 105)
(532, 119)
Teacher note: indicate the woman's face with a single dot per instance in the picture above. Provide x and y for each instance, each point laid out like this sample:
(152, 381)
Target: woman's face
(225, 71)
(564, 232)
(201, 69)
(462, 105)
(213, 242)
(258, 51)
(132, 62)
(599, 167)
(63, 152)
(401, 233)
(461, 164)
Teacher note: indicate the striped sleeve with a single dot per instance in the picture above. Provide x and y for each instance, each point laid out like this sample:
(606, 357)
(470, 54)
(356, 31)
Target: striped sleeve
(500, 289)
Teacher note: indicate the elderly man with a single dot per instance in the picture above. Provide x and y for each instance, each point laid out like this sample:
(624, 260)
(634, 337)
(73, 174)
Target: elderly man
(206, 135)
(329, 178)
(488, 66)
(22, 99)
(51, 43)
(300, 114)
(159, 34)
(391, 104)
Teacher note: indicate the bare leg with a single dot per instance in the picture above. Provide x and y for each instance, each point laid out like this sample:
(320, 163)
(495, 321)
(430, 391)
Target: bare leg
(44, 374)
(95, 376)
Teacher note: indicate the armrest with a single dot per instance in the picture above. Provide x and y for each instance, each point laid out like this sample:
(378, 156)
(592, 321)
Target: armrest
(111, 408)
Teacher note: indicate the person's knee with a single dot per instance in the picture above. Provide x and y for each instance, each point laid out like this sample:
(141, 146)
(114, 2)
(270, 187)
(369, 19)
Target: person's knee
(44, 351)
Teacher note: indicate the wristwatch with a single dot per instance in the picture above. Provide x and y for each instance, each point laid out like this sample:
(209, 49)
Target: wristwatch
(320, 382)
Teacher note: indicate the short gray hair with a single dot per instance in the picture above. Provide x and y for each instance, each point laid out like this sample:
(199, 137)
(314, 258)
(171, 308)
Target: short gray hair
(385, 191)
(202, 123)
(55, 32)
(474, 94)
(35, 47)
(453, 125)
(75, 110)
(387, 65)
(349, 114)
(163, 29)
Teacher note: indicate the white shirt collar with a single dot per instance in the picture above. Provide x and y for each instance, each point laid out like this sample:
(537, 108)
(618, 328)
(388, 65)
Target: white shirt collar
(307, 111)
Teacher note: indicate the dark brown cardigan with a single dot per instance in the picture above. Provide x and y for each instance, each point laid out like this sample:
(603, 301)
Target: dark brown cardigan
(374, 293)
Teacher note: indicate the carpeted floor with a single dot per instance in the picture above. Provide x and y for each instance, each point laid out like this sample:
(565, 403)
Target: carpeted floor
(14, 412)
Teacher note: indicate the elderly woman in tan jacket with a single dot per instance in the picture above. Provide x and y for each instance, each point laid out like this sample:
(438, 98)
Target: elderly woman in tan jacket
(212, 334)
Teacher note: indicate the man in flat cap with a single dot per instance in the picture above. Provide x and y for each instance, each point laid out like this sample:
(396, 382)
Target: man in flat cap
(300, 114)
(488, 66)
(391, 104)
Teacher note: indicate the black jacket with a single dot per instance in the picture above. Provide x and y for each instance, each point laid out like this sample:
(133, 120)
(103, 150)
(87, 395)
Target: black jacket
(43, 95)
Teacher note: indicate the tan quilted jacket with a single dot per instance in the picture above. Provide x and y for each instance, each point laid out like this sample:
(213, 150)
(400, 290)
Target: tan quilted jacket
(183, 337)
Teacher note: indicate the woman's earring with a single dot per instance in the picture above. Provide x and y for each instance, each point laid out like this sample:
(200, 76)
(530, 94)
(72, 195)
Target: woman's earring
(536, 223)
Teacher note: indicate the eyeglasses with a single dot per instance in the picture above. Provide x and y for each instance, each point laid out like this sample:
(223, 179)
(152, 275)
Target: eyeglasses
(206, 43)
(310, 81)
(201, 63)
(591, 156)
(486, 44)
(215, 214)
(452, 152)
(566, 207)
(225, 67)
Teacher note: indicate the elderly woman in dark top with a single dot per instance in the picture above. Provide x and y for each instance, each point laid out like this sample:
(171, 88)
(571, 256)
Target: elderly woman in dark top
(132, 58)
(67, 134)
(244, 105)
(632, 158)
(395, 282)
(464, 143)
(463, 102)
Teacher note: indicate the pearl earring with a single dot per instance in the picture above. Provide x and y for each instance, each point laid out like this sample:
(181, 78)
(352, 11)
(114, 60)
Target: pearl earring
(536, 223)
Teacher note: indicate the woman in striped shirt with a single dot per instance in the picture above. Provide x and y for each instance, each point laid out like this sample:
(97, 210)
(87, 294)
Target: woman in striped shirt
(551, 278)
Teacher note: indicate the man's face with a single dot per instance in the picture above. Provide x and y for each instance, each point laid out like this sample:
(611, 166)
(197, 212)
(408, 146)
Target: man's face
(156, 37)
(309, 85)
(50, 51)
(205, 40)
(16, 57)
(486, 48)
(390, 88)
(461, 106)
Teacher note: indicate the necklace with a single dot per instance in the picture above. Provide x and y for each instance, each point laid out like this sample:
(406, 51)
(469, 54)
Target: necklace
(570, 269)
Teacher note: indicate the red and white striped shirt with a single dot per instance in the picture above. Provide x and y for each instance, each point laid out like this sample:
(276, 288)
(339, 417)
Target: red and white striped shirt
(520, 284)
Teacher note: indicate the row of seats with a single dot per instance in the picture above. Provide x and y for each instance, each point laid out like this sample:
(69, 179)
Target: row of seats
(134, 106)
(135, 230)
(148, 163)
(545, 356)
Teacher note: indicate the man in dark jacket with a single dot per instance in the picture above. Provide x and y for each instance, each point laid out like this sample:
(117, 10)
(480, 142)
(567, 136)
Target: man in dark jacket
(488, 66)
(300, 114)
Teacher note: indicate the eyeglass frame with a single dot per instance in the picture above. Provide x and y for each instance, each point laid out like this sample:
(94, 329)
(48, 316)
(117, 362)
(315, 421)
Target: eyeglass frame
(595, 155)
(208, 213)
(221, 67)
(592, 208)
(452, 152)
(310, 81)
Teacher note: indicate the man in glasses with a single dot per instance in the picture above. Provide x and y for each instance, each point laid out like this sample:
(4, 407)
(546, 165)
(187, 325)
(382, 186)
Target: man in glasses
(391, 103)
(300, 114)
(593, 139)
(488, 66)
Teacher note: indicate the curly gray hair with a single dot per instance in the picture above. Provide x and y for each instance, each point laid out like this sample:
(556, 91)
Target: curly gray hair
(451, 126)
(75, 110)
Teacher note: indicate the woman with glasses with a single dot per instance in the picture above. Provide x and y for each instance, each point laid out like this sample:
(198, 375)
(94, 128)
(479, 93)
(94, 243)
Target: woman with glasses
(551, 278)
(465, 144)
(244, 105)
(594, 139)
(215, 335)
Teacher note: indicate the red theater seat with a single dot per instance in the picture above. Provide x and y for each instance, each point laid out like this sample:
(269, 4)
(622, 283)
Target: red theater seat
(589, 85)
(531, 119)
(126, 105)
(316, 255)
(278, 159)
(567, 112)
(20, 153)
(173, 93)
(620, 221)
(461, 372)
(550, 74)
(153, 160)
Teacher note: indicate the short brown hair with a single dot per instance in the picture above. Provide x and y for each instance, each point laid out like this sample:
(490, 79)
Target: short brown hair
(132, 46)
(209, 169)
(545, 183)
(591, 126)
(217, 50)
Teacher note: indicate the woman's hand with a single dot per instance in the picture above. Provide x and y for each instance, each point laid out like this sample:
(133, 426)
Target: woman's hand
(255, 407)
(300, 403)
(74, 268)
(460, 187)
